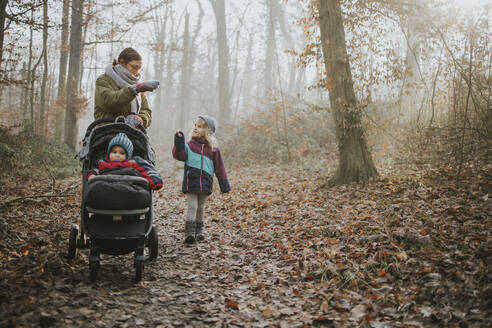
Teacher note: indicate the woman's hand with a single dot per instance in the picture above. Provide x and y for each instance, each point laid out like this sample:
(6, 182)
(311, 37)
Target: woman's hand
(147, 86)
(134, 120)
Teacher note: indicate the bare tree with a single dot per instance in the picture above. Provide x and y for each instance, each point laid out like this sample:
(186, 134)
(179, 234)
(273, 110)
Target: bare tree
(3, 15)
(42, 104)
(185, 76)
(73, 98)
(224, 101)
(355, 161)
(160, 22)
(270, 39)
(62, 72)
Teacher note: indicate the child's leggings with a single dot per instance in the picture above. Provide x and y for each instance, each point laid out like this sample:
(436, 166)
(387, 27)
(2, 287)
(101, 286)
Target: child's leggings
(196, 206)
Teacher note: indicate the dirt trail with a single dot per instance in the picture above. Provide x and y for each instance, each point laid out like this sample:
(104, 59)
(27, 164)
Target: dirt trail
(278, 253)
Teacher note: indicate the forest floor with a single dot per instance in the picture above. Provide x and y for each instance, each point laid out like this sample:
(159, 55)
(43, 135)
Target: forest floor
(409, 249)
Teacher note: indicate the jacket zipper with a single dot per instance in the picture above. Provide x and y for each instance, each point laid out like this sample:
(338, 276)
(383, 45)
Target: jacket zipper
(201, 168)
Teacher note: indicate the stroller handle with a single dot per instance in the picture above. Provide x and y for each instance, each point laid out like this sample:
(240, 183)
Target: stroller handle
(119, 119)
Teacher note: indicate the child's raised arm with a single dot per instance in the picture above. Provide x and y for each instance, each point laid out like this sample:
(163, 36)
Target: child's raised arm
(179, 150)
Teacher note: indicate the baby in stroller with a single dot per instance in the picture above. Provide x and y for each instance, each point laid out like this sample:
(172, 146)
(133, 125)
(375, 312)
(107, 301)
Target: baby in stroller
(119, 155)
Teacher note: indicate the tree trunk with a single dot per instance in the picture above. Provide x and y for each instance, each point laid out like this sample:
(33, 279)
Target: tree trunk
(185, 77)
(159, 116)
(62, 75)
(270, 30)
(169, 93)
(3, 16)
(220, 18)
(42, 105)
(29, 103)
(355, 161)
(73, 102)
(411, 90)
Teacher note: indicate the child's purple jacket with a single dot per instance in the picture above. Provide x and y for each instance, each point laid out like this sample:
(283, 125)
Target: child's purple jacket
(200, 165)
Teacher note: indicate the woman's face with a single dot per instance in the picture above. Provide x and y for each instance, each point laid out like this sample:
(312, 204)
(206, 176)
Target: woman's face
(199, 130)
(133, 66)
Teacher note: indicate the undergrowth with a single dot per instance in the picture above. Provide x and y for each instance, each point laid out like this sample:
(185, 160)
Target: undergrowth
(26, 154)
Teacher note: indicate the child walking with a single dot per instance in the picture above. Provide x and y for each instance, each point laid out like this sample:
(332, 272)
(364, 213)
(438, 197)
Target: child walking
(202, 159)
(119, 155)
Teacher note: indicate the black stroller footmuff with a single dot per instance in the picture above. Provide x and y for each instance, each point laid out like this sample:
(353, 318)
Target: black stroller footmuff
(118, 192)
(116, 209)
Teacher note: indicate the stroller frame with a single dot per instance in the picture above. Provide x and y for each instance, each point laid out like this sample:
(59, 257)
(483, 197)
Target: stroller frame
(109, 231)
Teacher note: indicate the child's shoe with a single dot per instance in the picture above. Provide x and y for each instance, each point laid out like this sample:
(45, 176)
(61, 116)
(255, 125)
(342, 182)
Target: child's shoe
(190, 232)
(199, 231)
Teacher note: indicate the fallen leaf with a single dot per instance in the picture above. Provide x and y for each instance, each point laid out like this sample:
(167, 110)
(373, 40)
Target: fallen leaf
(267, 313)
(231, 304)
(358, 312)
(424, 270)
(452, 210)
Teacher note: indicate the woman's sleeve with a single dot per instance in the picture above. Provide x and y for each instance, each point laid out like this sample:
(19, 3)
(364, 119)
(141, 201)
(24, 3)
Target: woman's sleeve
(109, 99)
(145, 112)
(220, 172)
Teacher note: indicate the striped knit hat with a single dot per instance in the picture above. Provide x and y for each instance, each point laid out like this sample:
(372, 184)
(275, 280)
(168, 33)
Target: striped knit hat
(121, 140)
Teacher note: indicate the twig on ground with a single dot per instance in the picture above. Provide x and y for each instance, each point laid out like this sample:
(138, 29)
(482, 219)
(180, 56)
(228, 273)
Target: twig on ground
(11, 200)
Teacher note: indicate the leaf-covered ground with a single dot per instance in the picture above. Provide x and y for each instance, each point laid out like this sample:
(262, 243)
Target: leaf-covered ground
(410, 251)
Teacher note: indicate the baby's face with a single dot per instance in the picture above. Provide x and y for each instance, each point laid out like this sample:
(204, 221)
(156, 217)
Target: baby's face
(117, 154)
(199, 130)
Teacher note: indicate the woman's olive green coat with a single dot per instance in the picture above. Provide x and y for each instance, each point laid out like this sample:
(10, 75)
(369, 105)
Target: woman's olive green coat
(111, 101)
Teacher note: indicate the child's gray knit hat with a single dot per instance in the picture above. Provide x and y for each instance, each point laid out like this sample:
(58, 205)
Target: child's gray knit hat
(210, 121)
(121, 140)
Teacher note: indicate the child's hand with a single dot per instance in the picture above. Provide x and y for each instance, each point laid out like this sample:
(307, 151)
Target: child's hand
(90, 177)
(179, 134)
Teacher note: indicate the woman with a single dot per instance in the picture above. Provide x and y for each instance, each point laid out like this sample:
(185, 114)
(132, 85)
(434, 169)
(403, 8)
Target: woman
(119, 92)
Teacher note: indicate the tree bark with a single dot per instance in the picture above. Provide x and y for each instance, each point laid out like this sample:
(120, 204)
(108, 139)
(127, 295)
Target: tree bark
(3, 16)
(224, 101)
(62, 75)
(270, 38)
(73, 101)
(355, 161)
(160, 117)
(42, 105)
(185, 77)
(411, 90)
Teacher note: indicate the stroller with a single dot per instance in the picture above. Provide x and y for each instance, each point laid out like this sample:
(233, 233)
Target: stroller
(116, 209)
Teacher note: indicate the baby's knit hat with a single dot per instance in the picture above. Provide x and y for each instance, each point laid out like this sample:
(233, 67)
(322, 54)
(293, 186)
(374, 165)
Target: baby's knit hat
(121, 140)
(210, 121)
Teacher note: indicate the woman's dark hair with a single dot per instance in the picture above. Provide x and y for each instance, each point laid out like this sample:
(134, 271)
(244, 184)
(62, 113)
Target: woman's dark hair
(127, 55)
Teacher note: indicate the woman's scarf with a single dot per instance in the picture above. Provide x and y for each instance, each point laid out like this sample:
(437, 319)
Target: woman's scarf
(123, 78)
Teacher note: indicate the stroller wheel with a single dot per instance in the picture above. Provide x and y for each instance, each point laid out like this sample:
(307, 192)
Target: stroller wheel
(139, 266)
(72, 242)
(93, 268)
(153, 243)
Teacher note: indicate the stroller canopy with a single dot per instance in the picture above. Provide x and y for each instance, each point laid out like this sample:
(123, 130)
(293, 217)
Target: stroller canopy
(98, 135)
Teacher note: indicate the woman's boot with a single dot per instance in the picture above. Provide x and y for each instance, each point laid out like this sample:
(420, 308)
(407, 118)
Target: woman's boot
(190, 229)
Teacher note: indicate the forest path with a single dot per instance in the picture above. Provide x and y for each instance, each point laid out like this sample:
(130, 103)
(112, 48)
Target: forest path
(278, 252)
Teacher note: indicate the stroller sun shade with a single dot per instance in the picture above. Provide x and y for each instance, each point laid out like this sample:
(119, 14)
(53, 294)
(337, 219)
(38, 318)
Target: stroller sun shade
(96, 141)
